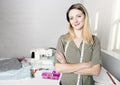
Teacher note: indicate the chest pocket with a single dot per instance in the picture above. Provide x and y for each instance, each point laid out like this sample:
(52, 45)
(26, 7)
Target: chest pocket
(70, 53)
(87, 53)
(73, 54)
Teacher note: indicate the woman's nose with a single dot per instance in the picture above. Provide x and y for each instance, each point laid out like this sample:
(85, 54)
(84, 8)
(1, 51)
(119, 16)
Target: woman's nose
(75, 20)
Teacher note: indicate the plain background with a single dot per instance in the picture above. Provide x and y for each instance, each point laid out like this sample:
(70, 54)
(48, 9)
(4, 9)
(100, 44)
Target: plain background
(32, 24)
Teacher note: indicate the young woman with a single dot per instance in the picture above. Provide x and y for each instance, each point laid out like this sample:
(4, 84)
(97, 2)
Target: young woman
(78, 51)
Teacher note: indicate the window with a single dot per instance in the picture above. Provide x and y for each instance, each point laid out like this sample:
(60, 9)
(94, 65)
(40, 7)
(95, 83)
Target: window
(115, 30)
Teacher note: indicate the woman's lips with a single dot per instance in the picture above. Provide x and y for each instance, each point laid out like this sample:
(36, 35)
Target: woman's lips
(76, 24)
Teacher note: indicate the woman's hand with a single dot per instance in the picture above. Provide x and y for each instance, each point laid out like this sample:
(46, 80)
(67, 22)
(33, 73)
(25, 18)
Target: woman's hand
(61, 58)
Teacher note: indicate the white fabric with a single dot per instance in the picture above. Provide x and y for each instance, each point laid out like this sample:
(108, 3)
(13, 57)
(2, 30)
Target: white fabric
(22, 73)
(104, 79)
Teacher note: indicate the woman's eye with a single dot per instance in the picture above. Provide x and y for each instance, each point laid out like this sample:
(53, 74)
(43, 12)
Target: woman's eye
(71, 18)
(79, 16)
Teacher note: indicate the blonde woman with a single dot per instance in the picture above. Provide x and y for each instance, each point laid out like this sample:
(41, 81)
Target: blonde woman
(78, 51)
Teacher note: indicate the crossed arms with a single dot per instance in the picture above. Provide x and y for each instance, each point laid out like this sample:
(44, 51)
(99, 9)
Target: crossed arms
(84, 68)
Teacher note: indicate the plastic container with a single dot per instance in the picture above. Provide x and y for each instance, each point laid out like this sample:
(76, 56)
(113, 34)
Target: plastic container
(51, 75)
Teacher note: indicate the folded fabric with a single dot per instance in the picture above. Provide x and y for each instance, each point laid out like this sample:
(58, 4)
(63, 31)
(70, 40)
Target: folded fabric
(10, 64)
(21, 73)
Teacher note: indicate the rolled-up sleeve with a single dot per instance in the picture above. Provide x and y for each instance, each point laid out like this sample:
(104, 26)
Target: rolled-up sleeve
(60, 46)
(96, 55)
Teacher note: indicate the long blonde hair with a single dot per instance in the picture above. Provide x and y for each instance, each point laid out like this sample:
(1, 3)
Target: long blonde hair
(86, 34)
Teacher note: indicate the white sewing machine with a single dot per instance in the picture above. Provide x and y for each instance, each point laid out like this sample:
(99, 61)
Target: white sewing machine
(42, 58)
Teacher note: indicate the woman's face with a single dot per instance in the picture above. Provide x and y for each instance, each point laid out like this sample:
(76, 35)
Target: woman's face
(77, 19)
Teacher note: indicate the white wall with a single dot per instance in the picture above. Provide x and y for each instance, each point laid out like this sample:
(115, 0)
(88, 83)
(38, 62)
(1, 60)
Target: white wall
(101, 14)
(29, 24)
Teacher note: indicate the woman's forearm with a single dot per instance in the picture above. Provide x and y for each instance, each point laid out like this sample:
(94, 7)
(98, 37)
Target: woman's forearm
(68, 68)
(93, 70)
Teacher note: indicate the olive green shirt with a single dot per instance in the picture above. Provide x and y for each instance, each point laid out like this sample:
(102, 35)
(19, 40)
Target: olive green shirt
(73, 53)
